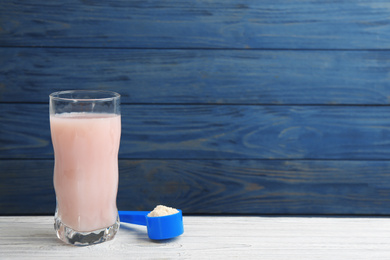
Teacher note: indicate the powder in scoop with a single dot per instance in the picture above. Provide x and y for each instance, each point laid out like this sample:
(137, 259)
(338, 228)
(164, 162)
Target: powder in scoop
(161, 210)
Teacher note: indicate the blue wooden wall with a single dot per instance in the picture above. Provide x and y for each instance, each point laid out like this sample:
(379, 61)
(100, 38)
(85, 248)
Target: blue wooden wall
(228, 106)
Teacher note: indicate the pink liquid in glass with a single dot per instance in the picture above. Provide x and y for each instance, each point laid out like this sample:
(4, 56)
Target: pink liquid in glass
(86, 149)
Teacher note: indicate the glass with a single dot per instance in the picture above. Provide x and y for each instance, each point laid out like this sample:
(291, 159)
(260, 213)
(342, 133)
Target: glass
(85, 130)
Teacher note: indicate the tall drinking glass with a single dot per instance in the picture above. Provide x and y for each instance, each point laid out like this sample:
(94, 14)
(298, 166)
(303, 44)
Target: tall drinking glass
(85, 130)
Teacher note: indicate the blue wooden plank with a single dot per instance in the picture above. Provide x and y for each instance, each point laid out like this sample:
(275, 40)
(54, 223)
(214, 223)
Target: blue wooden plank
(199, 76)
(218, 132)
(344, 24)
(26, 187)
(217, 186)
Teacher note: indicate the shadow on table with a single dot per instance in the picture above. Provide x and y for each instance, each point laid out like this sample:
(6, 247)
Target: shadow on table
(141, 233)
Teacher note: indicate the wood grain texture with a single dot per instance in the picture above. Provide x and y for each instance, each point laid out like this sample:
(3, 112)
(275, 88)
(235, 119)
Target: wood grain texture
(217, 186)
(280, 238)
(360, 24)
(199, 76)
(249, 107)
(218, 132)
(26, 187)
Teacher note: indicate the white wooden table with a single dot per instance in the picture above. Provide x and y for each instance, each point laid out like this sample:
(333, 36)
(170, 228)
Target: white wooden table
(211, 238)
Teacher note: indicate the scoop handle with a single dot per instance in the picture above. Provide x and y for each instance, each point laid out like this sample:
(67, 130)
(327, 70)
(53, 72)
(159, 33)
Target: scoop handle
(133, 217)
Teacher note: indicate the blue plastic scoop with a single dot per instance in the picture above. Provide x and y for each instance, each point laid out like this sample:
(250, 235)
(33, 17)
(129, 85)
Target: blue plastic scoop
(164, 227)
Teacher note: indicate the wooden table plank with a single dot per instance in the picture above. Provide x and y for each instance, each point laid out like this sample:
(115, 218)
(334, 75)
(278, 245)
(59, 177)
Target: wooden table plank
(211, 238)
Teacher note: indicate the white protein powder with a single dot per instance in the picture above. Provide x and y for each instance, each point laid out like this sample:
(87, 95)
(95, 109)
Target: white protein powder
(162, 210)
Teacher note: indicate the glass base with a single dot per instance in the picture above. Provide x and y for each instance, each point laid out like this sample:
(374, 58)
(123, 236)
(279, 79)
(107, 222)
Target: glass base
(77, 238)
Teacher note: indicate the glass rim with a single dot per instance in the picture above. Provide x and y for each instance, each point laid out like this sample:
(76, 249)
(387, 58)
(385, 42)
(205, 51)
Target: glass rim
(111, 95)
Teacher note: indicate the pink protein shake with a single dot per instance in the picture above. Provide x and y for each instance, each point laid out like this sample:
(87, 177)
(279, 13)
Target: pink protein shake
(86, 149)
